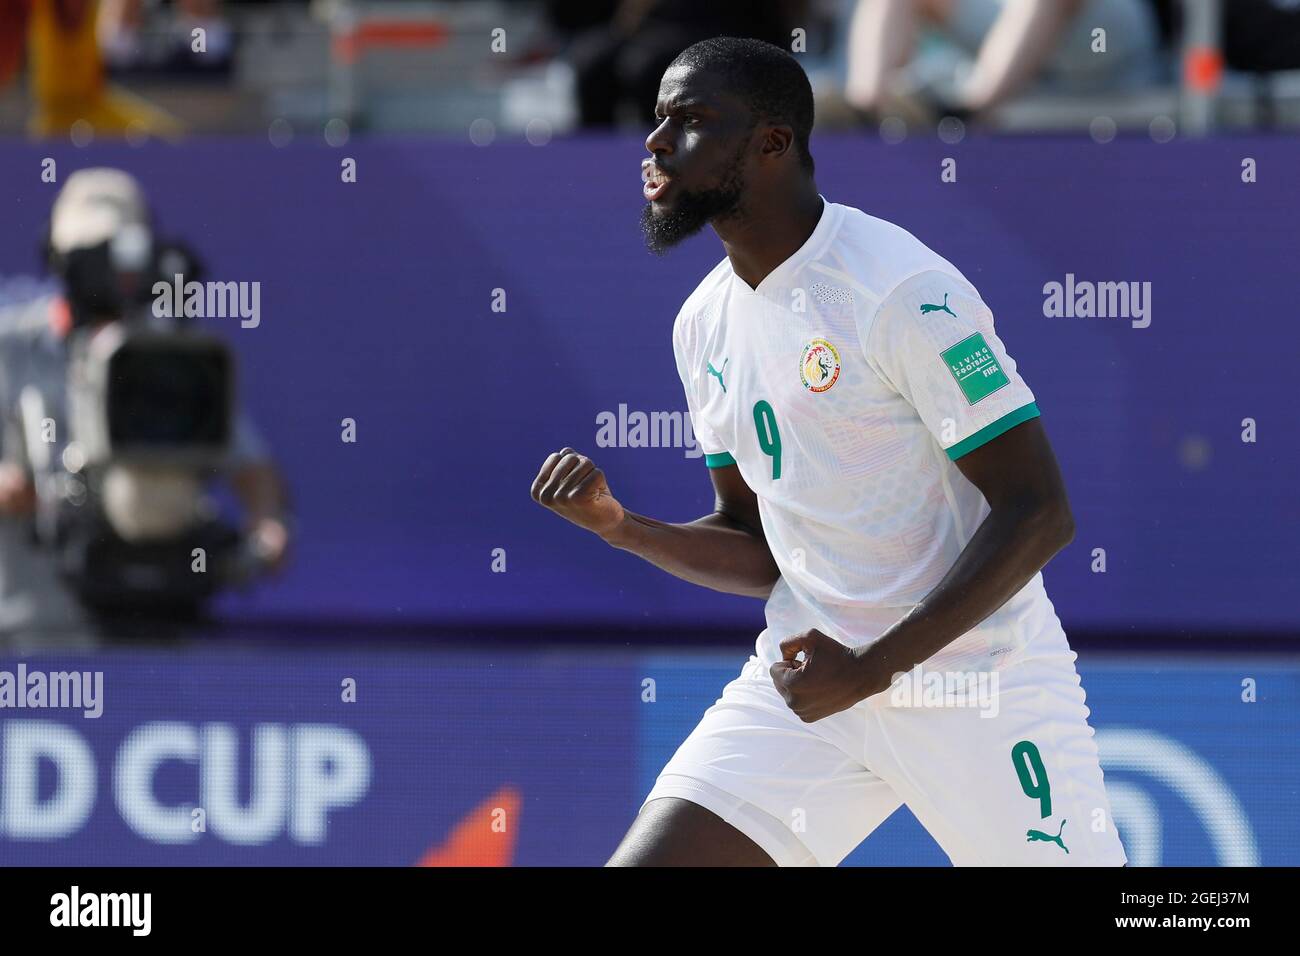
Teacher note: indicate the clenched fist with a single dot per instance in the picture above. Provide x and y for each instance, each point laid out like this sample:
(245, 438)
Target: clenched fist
(832, 676)
(574, 488)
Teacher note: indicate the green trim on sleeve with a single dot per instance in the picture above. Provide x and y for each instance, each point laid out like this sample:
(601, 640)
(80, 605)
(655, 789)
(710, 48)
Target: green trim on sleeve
(721, 460)
(989, 432)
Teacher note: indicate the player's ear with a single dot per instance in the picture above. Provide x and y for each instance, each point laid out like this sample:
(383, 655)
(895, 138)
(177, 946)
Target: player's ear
(778, 141)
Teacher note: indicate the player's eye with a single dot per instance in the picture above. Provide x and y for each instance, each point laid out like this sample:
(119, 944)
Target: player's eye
(690, 119)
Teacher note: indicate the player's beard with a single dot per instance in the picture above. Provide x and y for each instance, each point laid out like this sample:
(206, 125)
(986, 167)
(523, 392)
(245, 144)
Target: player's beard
(693, 210)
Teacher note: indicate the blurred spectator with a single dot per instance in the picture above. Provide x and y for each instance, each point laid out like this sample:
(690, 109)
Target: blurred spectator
(1261, 35)
(619, 63)
(1257, 36)
(1012, 43)
(140, 36)
(119, 27)
(67, 72)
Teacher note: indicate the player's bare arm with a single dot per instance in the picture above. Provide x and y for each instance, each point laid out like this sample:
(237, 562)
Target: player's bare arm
(1029, 522)
(725, 550)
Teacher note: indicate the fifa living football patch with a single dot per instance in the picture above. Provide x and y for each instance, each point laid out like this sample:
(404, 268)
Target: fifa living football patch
(975, 367)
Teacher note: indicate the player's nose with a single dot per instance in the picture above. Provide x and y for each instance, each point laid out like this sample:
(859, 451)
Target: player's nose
(659, 140)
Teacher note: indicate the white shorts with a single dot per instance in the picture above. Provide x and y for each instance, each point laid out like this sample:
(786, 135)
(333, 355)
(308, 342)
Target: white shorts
(1020, 787)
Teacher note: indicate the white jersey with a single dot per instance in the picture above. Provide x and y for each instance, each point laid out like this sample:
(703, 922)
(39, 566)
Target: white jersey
(844, 388)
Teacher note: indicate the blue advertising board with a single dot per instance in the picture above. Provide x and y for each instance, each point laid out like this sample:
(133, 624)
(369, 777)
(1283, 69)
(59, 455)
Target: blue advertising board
(390, 757)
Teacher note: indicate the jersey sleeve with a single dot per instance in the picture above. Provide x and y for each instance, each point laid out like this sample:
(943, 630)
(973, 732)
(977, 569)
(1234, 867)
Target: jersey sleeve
(715, 454)
(932, 340)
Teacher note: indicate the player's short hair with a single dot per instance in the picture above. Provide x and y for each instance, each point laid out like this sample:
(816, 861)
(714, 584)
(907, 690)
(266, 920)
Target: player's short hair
(768, 78)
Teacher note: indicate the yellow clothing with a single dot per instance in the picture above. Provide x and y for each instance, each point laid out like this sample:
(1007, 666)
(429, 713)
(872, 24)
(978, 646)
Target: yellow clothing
(67, 80)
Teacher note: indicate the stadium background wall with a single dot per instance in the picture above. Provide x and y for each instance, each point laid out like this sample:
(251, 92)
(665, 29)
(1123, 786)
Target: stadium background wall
(377, 305)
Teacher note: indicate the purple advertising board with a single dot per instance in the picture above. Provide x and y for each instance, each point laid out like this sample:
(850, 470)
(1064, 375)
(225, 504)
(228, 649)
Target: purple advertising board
(472, 309)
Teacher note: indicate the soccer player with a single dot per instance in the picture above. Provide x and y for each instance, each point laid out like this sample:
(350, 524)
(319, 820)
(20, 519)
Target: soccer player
(884, 480)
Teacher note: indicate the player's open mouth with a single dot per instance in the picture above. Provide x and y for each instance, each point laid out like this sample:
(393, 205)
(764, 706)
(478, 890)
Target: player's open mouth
(655, 181)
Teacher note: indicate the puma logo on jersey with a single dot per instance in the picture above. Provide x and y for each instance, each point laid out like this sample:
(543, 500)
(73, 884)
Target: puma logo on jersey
(718, 374)
(927, 308)
(1032, 836)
